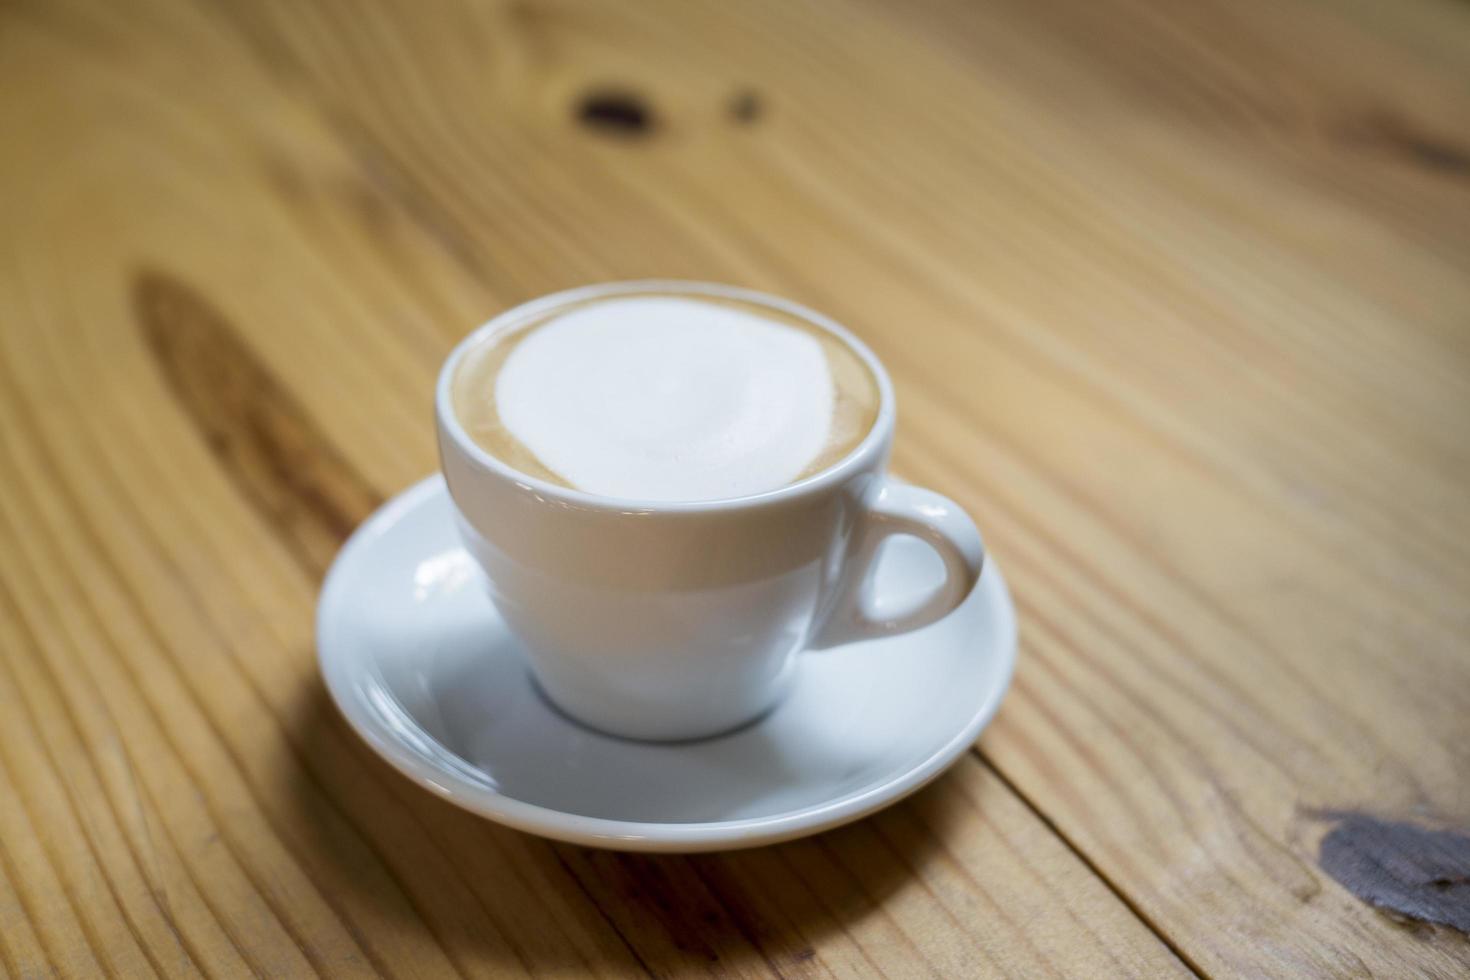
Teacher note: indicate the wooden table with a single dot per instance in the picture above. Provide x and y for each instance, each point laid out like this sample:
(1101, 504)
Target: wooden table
(1176, 300)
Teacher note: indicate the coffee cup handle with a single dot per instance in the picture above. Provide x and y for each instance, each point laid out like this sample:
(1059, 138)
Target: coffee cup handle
(899, 508)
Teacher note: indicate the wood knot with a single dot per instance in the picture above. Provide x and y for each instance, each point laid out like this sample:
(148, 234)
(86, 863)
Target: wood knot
(1392, 135)
(262, 438)
(746, 106)
(617, 112)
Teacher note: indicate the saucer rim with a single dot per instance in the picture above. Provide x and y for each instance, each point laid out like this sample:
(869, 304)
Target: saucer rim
(627, 835)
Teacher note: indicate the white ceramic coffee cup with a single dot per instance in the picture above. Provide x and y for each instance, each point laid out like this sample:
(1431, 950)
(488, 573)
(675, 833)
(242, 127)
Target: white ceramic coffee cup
(659, 620)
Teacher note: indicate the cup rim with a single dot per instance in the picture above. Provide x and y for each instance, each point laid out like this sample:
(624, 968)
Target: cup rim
(861, 457)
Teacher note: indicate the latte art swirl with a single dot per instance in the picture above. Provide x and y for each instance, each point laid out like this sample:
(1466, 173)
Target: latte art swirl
(666, 398)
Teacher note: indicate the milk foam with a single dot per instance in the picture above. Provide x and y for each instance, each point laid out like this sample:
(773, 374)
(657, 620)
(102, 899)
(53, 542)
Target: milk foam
(664, 398)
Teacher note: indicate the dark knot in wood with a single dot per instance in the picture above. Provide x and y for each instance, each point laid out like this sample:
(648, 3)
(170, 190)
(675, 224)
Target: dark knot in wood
(617, 112)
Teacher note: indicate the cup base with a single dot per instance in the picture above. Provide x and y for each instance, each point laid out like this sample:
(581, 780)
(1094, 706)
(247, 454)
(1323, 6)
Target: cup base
(595, 714)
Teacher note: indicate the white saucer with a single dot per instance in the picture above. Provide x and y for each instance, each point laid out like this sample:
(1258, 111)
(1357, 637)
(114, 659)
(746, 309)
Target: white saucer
(420, 664)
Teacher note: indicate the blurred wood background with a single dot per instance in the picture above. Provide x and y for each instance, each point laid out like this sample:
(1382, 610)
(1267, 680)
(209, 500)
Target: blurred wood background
(1177, 300)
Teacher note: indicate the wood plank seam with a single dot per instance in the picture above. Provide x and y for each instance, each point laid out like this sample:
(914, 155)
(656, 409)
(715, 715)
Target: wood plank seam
(1122, 896)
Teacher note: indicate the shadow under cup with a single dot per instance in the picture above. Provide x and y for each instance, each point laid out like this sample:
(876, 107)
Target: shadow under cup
(659, 620)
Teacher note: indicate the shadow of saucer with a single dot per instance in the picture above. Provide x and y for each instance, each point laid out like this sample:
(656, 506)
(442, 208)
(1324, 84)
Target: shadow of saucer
(410, 873)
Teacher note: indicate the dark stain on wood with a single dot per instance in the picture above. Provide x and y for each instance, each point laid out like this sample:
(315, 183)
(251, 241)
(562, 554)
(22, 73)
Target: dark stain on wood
(1391, 134)
(746, 106)
(263, 439)
(1408, 871)
(616, 112)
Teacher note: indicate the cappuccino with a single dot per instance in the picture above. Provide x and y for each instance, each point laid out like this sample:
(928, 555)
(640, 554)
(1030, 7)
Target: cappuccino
(666, 397)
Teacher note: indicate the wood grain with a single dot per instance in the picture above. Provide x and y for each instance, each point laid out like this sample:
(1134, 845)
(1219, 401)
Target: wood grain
(1176, 301)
